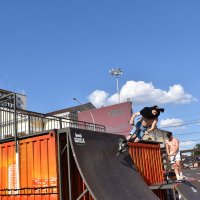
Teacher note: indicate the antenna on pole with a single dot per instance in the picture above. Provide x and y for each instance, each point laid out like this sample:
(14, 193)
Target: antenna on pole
(14, 86)
(6, 82)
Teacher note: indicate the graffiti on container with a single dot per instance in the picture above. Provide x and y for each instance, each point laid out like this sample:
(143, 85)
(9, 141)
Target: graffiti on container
(44, 185)
(12, 179)
(79, 138)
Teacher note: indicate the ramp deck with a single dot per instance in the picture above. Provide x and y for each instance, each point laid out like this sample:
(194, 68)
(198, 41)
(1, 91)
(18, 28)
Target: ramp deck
(189, 190)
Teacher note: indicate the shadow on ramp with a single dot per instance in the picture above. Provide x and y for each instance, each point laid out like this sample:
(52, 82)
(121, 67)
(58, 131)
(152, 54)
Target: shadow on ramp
(107, 176)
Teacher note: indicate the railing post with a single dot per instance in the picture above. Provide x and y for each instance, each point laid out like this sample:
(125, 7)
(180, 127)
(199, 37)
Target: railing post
(1, 124)
(16, 143)
(15, 123)
(60, 120)
(29, 124)
(42, 123)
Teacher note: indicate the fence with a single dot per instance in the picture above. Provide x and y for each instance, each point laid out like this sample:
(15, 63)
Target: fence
(17, 123)
(191, 160)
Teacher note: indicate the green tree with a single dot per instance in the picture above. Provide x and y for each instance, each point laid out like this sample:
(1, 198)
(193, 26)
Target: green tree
(197, 146)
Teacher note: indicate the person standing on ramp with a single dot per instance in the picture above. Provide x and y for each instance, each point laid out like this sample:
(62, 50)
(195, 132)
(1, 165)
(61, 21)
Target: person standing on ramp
(172, 148)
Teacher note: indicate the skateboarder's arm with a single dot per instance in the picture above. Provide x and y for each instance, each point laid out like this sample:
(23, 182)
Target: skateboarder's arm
(133, 117)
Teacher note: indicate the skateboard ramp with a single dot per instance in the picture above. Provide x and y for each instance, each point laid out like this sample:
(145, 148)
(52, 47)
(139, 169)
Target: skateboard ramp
(106, 175)
(189, 190)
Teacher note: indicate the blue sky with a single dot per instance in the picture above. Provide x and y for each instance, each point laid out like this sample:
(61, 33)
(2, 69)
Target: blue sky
(57, 50)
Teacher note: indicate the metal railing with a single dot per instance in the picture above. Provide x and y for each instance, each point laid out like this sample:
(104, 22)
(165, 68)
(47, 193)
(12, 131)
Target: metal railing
(17, 123)
(191, 159)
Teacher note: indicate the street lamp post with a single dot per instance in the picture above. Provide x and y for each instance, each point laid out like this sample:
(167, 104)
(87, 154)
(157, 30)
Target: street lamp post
(86, 108)
(116, 73)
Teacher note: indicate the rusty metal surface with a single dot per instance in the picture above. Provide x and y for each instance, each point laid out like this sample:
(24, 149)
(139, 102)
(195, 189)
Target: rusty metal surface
(37, 168)
(147, 159)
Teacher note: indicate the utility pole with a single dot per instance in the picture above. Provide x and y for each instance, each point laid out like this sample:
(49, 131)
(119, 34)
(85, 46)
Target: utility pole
(86, 108)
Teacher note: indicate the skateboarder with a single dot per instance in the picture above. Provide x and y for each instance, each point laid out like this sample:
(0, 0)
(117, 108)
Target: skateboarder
(172, 148)
(146, 124)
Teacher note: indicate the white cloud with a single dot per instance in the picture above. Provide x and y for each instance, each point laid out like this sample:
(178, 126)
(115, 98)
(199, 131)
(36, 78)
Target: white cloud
(187, 143)
(98, 98)
(198, 123)
(141, 93)
(172, 123)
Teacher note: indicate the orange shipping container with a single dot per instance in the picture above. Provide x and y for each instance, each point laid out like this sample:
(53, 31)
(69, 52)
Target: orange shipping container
(47, 169)
(37, 169)
(147, 158)
(42, 161)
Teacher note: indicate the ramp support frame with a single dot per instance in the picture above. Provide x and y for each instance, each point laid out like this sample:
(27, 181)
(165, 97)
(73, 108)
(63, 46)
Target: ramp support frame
(83, 194)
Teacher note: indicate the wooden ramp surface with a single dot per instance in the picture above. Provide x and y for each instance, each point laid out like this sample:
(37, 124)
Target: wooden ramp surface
(107, 176)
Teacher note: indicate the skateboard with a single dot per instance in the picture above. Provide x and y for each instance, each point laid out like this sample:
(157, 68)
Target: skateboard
(123, 143)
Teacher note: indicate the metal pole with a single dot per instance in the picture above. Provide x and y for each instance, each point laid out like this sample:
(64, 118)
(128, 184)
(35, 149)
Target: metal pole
(69, 167)
(15, 123)
(83, 194)
(116, 73)
(59, 166)
(1, 123)
(86, 108)
(118, 89)
(16, 144)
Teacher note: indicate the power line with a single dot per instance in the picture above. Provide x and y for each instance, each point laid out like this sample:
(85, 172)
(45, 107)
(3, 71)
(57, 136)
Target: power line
(191, 140)
(183, 124)
(187, 133)
(191, 114)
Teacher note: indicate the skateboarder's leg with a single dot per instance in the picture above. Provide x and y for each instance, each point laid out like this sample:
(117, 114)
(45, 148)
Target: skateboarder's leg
(132, 134)
(131, 137)
(138, 131)
(137, 139)
(139, 135)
